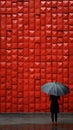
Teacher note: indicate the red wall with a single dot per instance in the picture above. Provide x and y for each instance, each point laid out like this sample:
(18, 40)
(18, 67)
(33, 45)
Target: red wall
(36, 47)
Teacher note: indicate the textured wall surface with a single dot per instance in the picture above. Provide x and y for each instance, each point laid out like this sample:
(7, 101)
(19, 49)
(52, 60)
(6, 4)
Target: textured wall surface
(36, 46)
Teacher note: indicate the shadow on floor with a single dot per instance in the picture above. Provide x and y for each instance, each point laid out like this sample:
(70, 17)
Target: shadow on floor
(37, 127)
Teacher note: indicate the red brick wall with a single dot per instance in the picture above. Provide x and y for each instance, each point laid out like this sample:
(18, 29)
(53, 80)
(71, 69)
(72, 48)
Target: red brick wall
(36, 46)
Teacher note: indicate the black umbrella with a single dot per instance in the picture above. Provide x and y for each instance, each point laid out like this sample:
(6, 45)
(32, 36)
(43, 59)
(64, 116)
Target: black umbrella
(55, 88)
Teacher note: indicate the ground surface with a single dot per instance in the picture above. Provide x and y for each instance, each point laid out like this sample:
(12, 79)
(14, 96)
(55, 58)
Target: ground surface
(35, 122)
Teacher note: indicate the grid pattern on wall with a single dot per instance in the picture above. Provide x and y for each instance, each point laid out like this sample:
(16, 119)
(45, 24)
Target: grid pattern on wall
(36, 46)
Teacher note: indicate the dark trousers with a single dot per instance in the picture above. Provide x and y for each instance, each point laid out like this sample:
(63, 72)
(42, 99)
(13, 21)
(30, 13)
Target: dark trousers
(54, 116)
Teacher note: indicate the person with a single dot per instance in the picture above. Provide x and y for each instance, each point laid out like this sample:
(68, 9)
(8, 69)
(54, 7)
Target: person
(54, 108)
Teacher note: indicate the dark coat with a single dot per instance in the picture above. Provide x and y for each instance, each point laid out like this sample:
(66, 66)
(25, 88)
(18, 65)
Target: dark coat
(54, 107)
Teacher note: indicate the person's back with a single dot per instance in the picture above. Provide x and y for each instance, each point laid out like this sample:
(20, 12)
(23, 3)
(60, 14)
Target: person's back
(54, 99)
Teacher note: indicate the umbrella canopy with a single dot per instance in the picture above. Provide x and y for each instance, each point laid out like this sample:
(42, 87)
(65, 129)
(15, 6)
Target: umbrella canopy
(55, 88)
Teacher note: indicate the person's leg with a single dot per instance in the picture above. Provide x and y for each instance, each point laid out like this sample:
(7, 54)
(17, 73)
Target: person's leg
(56, 115)
(52, 117)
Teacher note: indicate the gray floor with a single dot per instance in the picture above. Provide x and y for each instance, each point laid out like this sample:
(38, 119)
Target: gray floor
(37, 118)
(38, 121)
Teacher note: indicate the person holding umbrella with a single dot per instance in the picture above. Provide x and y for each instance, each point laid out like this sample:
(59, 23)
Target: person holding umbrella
(54, 108)
(55, 89)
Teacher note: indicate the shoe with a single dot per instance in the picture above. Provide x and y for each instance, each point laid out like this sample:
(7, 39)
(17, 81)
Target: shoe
(52, 123)
(55, 123)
